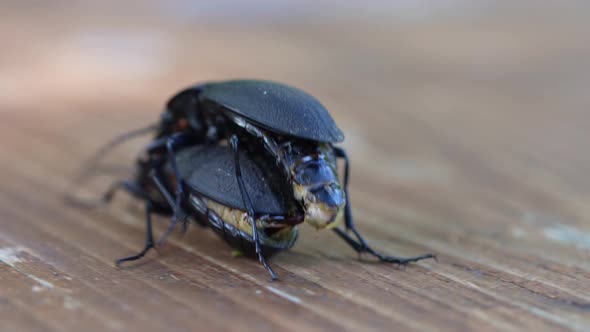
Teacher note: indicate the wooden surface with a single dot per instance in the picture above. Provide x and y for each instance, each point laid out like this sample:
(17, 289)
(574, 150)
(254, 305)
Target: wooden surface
(468, 137)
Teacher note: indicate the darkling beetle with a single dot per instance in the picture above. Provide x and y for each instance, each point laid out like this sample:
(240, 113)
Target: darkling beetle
(253, 118)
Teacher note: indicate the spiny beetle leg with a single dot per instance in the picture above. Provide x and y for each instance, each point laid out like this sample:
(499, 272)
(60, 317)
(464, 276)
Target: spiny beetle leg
(234, 142)
(149, 238)
(363, 248)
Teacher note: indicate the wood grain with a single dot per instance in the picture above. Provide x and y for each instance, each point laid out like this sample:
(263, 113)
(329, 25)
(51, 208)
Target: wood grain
(468, 138)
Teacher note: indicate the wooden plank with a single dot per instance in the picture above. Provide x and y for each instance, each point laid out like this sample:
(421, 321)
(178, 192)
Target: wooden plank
(467, 139)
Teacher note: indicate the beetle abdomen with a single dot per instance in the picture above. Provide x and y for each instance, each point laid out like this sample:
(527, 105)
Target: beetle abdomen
(234, 227)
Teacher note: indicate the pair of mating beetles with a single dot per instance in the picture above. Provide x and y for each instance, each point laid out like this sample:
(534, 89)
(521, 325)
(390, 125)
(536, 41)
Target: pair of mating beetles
(251, 159)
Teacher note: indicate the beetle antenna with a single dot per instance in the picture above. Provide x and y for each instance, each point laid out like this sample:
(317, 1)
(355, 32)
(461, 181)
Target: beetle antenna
(92, 164)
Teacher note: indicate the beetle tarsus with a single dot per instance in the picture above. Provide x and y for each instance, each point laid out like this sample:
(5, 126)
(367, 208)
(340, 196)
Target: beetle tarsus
(149, 239)
(182, 217)
(168, 231)
(273, 275)
(401, 261)
(361, 248)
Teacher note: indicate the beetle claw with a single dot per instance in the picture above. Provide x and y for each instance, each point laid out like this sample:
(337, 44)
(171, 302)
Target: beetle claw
(179, 216)
(403, 261)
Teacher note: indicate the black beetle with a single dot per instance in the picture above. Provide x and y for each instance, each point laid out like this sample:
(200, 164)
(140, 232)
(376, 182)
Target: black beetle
(215, 176)
(260, 117)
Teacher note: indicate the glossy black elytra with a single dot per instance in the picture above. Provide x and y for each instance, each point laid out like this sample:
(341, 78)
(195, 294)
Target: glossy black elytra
(250, 120)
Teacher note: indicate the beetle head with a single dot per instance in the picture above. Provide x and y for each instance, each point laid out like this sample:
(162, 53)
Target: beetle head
(316, 185)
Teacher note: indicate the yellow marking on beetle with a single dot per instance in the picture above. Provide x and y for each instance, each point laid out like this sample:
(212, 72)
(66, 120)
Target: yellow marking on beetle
(337, 221)
(237, 253)
(235, 217)
(240, 220)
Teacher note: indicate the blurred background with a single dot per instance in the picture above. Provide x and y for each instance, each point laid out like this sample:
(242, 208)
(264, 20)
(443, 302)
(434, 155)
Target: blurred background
(63, 51)
(506, 80)
(466, 122)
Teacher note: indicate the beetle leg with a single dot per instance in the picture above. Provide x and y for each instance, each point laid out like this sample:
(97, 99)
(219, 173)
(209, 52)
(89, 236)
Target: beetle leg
(348, 220)
(171, 144)
(269, 144)
(149, 238)
(248, 204)
(341, 153)
(129, 186)
(91, 165)
(138, 192)
(359, 244)
(178, 213)
(363, 248)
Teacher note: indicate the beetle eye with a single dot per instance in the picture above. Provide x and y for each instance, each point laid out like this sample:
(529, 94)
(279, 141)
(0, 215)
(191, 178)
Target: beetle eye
(313, 172)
